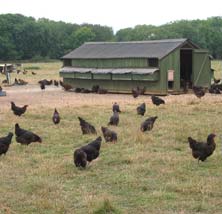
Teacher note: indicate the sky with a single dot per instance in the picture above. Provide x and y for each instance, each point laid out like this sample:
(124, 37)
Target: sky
(117, 14)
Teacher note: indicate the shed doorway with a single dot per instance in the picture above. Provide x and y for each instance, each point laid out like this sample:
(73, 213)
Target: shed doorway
(186, 69)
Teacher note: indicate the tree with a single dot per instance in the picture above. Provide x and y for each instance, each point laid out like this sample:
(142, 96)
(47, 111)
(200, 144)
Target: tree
(83, 34)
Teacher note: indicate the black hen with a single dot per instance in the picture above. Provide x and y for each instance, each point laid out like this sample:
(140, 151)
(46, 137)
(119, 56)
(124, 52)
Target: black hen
(109, 135)
(56, 83)
(56, 117)
(42, 85)
(5, 143)
(25, 137)
(45, 81)
(87, 153)
(157, 100)
(147, 125)
(95, 88)
(86, 127)
(114, 119)
(202, 150)
(217, 80)
(65, 86)
(141, 109)
(135, 92)
(18, 110)
(116, 107)
(199, 91)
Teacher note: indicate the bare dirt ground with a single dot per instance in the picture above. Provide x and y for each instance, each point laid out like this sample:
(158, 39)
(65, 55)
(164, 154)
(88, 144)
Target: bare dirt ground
(56, 97)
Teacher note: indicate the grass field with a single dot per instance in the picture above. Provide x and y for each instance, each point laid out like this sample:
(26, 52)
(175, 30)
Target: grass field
(151, 172)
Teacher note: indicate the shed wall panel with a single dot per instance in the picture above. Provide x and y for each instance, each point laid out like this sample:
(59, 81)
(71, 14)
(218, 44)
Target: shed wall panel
(120, 86)
(170, 62)
(201, 68)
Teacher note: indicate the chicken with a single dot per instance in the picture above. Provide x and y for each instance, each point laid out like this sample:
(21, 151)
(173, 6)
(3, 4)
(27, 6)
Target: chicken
(25, 137)
(25, 71)
(157, 100)
(141, 109)
(65, 86)
(16, 82)
(5, 143)
(22, 82)
(56, 83)
(18, 110)
(200, 150)
(85, 91)
(45, 81)
(33, 73)
(86, 127)
(87, 153)
(42, 85)
(142, 90)
(109, 135)
(56, 117)
(102, 91)
(217, 80)
(77, 90)
(199, 91)
(147, 125)
(135, 92)
(138, 91)
(214, 90)
(95, 88)
(114, 119)
(116, 108)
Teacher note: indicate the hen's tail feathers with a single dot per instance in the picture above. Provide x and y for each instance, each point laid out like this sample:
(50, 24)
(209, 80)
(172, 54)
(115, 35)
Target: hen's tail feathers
(192, 142)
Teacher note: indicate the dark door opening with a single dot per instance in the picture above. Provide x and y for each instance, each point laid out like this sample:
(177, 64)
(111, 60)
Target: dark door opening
(186, 69)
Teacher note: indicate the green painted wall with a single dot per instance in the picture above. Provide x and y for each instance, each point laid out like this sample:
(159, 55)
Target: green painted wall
(170, 62)
(121, 86)
(201, 68)
(111, 63)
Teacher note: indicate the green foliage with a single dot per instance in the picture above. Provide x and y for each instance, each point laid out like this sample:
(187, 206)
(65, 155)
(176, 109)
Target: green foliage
(26, 38)
(83, 34)
(205, 33)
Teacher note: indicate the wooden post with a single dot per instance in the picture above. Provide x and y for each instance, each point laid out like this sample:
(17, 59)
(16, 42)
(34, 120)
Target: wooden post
(7, 74)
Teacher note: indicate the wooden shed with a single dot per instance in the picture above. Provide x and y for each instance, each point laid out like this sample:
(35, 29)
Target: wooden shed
(161, 66)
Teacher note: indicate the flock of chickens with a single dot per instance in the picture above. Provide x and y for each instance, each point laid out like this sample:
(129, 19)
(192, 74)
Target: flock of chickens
(89, 152)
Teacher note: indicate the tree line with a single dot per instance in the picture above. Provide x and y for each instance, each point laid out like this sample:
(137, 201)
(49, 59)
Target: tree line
(23, 38)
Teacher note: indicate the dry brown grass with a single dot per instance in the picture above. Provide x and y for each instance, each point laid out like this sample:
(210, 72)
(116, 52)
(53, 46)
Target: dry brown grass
(151, 172)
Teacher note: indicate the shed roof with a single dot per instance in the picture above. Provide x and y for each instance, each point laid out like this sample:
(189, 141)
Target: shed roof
(109, 70)
(135, 49)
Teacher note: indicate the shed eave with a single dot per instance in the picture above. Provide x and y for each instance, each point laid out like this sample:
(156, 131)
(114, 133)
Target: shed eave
(109, 70)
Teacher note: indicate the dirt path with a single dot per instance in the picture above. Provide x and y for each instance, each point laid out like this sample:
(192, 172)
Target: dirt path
(55, 96)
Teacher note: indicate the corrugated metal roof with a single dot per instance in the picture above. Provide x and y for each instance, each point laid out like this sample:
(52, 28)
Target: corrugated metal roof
(109, 70)
(140, 49)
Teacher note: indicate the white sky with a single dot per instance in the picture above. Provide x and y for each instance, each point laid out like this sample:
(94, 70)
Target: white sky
(117, 14)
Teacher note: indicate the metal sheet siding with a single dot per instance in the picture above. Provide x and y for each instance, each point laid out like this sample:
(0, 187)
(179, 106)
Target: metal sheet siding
(110, 63)
(134, 49)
